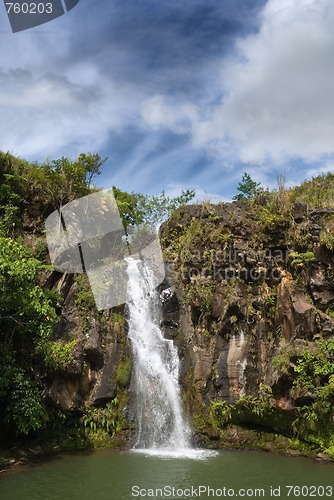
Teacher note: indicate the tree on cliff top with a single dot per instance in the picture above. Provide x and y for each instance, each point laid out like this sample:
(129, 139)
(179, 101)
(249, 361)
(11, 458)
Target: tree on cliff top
(248, 188)
(149, 210)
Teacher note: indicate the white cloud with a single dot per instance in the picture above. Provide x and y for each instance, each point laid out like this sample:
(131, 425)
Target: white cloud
(157, 112)
(278, 91)
(53, 103)
(175, 189)
(279, 94)
(323, 169)
(43, 115)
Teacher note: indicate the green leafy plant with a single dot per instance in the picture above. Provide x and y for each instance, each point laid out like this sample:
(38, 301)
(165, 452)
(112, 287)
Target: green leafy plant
(259, 410)
(327, 239)
(315, 381)
(58, 355)
(105, 419)
(27, 319)
(200, 295)
(330, 312)
(157, 208)
(221, 412)
(315, 367)
(24, 410)
(84, 297)
(282, 361)
(270, 215)
(300, 259)
(19, 273)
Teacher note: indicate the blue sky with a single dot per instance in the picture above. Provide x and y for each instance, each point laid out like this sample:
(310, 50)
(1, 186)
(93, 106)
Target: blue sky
(178, 94)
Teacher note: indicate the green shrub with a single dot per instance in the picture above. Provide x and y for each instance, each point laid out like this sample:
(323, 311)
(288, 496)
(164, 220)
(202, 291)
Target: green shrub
(318, 192)
(315, 381)
(58, 355)
(25, 409)
(327, 239)
(105, 419)
(249, 410)
(200, 295)
(300, 259)
(281, 362)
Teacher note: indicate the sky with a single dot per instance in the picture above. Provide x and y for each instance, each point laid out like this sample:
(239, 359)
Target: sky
(177, 94)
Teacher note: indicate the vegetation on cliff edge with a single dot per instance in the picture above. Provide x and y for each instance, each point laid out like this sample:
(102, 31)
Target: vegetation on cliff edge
(192, 239)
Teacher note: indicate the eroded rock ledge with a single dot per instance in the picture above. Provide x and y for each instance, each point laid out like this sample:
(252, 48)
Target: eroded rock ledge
(250, 297)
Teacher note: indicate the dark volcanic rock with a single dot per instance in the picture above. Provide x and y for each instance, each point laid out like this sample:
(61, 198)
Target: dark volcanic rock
(260, 306)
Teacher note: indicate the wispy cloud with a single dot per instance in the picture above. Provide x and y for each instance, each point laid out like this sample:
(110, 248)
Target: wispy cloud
(69, 85)
(321, 169)
(175, 93)
(278, 98)
(176, 189)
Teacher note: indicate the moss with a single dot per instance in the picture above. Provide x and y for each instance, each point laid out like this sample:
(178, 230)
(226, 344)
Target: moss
(194, 407)
(123, 373)
(84, 298)
(116, 319)
(330, 312)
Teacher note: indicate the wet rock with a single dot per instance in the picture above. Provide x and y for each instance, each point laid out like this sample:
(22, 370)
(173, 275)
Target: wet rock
(92, 349)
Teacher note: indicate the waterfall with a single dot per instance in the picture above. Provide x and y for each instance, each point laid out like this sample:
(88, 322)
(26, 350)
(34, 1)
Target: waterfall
(159, 416)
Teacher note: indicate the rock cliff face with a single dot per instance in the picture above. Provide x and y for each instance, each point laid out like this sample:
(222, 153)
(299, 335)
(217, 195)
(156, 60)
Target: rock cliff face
(244, 306)
(247, 293)
(101, 347)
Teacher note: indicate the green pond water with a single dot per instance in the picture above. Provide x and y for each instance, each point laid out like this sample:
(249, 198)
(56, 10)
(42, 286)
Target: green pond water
(115, 475)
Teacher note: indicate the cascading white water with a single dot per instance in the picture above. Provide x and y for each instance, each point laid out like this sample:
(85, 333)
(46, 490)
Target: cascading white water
(160, 421)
